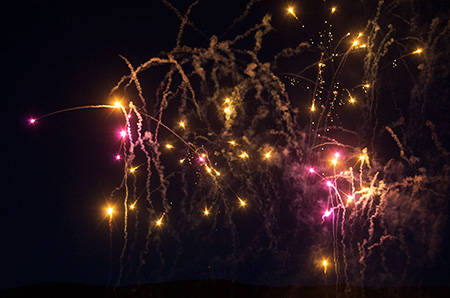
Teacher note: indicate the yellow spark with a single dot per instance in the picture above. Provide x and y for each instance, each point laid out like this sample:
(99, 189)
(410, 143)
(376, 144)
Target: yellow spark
(227, 100)
(352, 100)
(367, 85)
(355, 43)
(208, 169)
(243, 155)
(168, 146)
(291, 11)
(206, 211)
(334, 161)
(232, 142)
(117, 104)
(110, 211)
(182, 160)
(363, 46)
(325, 264)
(360, 34)
(418, 51)
(350, 198)
(241, 202)
(159, 221)
(333, 9)
(227, 110)
(321, 64)
(132, 206)
(267, 155)
(313, 107)
(217, 173)
(182, 124)
(132, 170)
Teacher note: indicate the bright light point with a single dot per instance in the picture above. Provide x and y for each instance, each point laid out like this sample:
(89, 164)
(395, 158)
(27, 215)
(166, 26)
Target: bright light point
(118, 157)
(123, 133)
(243, 155)
(350, 198)
(363, 46)
(313, 108)
(291, 10)
(227, 100)
(132, 206)
(206, 212)
(117, 104)
(232, 142)
(327, 213)
(208, 169)
(227, 110)
(182, 124)
(217, 173)
(267, 155)
(333, 9)
(355, 43)
(168, 146)
(201, 159)
(132, 170)
(181, 160)
(337, 155)
(352, 100)
(324, 263)
(418, 51)
(242, 202)
(32, 120)
(311, 170)
(361, 157)
(159, 221)
(334, 161)
(329, 184)
(367, 86)
(110, 211)
(360, 34)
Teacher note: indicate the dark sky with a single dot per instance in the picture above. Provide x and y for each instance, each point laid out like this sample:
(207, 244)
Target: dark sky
(59, 173)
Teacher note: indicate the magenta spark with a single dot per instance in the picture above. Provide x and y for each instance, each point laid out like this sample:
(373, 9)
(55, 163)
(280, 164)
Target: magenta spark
(32, 120)
(311, 170)
(123, 133)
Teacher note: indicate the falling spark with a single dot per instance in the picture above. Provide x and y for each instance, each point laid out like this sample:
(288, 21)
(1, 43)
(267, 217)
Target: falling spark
(418, 51)
(233, 143)
(32, 120)
(242, 202)
(243, 155)
(333, 9)
(325, 264)
(159, 221)
(118, 157)
(110, 211)
(267, 154)
(182, 124)
(206, 211)
(168, 146)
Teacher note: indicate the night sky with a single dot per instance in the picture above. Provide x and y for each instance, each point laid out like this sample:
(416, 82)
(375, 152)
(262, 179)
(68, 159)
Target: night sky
(60, 173)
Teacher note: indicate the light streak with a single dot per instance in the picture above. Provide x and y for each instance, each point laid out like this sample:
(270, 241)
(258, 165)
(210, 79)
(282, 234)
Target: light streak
(159, 221)
(325, 264)
(243, 155)
(418, 51)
